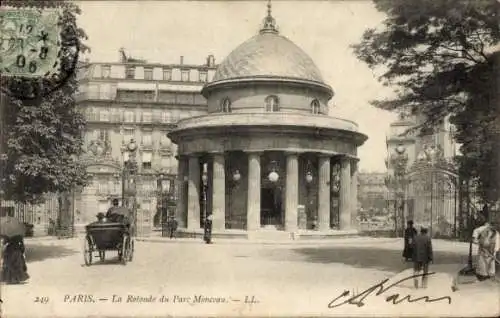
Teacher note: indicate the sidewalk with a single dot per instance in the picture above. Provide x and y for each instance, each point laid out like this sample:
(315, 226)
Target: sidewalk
(446, 277)
(347, 240)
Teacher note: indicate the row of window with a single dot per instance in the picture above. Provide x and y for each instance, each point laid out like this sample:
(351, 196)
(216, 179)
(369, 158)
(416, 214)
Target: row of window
(161, 96)
(129, 116)
(93, 92)
(272, 104)
(105, 185)
(130, 73)
(146, 138)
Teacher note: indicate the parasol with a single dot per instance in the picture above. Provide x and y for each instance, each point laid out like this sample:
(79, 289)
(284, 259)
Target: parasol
(10, 226)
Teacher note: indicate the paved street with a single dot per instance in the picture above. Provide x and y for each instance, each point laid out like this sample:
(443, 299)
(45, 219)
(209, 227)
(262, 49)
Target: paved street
(282, 279)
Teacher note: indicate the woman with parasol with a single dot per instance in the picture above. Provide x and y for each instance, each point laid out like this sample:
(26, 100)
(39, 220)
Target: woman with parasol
(14, 269)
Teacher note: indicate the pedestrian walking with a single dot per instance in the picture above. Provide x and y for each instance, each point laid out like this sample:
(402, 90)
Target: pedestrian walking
(172, 227)
(14, 269)
(207, 237)
(410, 233)
(422, 256)
(52, 227)
(488, 240)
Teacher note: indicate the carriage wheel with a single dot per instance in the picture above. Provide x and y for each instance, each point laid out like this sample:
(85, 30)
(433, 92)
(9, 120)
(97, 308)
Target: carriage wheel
(87, 251)
(131, 250)
(102, 255)
(124, 250)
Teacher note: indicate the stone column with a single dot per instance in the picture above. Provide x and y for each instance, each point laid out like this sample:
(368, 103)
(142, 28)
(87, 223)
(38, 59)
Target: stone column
(324, 193)
(292, 192)
(218, 192)
(180, 211)
(253, 196)
(345, 194)
(193, 213)
(354, 192)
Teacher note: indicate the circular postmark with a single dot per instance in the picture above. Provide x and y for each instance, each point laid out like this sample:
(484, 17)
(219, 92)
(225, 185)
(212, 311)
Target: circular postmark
(39, 51)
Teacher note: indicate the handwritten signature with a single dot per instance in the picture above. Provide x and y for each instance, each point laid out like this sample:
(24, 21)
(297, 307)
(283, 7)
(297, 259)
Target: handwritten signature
(379, 289)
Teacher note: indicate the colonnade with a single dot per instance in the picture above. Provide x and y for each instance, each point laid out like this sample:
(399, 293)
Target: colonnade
(189, 196)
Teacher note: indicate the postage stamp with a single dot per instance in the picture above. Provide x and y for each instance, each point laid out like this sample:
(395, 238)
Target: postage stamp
(29, 43)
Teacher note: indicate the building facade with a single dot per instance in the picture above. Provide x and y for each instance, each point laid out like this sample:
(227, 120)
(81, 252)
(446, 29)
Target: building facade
(372, 191)
(133, 99)
(429, 187)
(267, 155)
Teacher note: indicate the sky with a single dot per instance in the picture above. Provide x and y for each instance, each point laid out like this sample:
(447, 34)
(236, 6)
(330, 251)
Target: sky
(162, 31)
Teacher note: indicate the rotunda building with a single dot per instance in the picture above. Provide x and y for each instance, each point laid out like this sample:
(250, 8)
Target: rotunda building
(267, 155)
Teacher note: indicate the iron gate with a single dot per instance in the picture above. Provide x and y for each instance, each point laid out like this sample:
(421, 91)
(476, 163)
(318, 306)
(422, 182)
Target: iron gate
(433, 198)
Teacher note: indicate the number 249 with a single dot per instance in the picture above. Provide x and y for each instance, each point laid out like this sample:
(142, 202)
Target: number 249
(41, 300)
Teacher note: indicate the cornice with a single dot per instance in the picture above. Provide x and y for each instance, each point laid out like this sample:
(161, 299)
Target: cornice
(265, 80)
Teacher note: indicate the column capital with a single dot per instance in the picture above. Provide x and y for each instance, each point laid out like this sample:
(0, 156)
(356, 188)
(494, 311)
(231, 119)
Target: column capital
(291, 153)
(256, 152)
(215, 152)
(345, 157)
(325, 155)
(218, 154)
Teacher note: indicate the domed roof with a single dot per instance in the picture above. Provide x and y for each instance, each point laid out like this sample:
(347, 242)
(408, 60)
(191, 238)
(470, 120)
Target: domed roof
(268, 54)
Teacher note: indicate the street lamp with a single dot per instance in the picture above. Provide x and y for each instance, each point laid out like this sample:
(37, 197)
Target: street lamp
(399, 160)
(233, 184)
(334, 199)
(236, 175)
(309, 179)
(128, 179)
(273, 175)
(204, 179)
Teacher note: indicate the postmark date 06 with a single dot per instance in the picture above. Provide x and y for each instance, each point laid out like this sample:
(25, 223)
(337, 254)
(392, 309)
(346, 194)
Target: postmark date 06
(42, 299)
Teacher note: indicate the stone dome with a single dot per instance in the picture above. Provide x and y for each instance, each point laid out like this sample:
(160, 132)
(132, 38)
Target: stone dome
(268, 54)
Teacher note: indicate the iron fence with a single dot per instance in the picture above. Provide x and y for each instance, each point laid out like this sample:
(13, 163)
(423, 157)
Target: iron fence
(43, 219)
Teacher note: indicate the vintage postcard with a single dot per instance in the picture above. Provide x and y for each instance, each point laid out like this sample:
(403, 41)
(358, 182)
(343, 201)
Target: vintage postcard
(250, 158)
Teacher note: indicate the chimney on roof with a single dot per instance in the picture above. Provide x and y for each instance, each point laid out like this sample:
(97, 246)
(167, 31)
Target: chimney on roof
(123, 56)
(210, 60)
(182, 60)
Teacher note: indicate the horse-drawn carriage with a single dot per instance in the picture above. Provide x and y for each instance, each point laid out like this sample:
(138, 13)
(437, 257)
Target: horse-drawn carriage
(107, 235)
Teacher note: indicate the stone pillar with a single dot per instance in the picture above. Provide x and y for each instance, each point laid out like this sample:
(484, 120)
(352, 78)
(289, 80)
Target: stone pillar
(292, 192)
(354, 193)
(345, 194)
(181, 207)
(324, 193)
(218, 193)
(193, 211)
(253, 196)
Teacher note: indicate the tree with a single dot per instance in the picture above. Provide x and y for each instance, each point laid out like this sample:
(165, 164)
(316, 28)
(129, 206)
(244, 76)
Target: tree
(440, 56)
(42, 130)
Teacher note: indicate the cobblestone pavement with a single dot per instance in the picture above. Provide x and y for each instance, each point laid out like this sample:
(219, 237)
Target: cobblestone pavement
(231, 278)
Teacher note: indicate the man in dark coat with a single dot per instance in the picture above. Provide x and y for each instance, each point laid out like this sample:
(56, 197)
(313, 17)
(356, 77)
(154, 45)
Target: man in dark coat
(410, 233)
(207, 237)
(422, 256)
(172, 226)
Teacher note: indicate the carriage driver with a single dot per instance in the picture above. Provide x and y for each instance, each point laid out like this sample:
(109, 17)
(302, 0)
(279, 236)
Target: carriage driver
(118, 214)
(112, 209)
